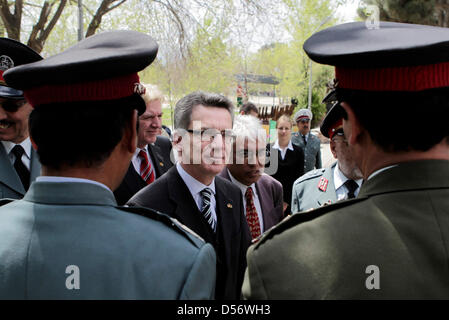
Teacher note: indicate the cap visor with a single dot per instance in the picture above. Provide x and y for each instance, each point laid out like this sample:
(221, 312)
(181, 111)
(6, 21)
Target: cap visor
(10, 93)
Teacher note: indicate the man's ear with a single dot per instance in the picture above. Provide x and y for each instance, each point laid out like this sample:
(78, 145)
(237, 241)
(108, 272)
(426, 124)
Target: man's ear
(33, 144)
(130, 134)
(333, 150)
(177, 138)
(351, 125)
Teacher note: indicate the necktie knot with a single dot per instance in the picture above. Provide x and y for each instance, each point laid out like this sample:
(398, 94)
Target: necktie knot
(352, 186)
(249, 193)
(18, 151)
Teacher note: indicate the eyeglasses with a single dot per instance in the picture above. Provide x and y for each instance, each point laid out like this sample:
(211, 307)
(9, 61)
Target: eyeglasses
(246, 154)
(210, 134)
(10, 105)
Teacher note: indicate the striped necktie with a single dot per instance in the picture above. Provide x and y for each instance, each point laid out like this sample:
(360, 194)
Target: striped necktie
(206, 209)
(146, 170)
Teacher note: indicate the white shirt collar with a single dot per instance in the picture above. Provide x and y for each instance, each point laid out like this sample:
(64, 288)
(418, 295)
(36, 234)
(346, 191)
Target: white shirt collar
(136, 153)
(289, 146)
(243, 187)
(26, 145)
(69, 179)
(340, 178)
(193, 185)
(375, 173)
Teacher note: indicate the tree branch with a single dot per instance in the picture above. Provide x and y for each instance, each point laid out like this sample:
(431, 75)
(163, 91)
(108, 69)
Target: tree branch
(101, 11)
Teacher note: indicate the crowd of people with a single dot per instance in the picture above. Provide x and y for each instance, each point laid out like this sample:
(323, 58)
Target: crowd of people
(99, 201)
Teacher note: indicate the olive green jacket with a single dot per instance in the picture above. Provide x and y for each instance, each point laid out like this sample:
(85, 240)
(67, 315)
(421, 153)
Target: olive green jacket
(391, 242)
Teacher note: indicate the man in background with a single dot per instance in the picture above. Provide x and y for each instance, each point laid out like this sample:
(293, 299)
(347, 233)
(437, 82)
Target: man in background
(262, 194)
(19, 163)
(309, 143)
(249, 108)
(152, 156)
(338, 182)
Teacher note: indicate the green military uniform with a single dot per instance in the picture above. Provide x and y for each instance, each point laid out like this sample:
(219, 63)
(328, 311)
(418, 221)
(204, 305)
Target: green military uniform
(399, 223)
(120, 255)
(314, 189)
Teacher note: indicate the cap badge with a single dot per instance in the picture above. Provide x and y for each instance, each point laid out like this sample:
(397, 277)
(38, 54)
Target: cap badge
(139, 88)
(322, 184)
(6, 63)
(229, 206)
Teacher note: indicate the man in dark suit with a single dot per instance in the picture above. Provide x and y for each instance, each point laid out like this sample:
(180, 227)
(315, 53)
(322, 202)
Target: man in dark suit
(262, 194)
(190, 191)
(19, 163)
(152, 157)
(391, 241)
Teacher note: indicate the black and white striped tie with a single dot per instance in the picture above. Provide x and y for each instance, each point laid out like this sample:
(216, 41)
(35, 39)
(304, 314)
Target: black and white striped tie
(206, 208)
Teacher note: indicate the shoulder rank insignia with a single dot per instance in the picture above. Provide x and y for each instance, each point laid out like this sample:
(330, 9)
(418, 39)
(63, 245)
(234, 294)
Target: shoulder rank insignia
(322, 184)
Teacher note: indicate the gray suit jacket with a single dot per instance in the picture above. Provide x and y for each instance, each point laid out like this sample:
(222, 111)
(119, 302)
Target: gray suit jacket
(314, 189)
(270, 197)
(10, 184)
(312, 151)
(120, 255)
(388, 243)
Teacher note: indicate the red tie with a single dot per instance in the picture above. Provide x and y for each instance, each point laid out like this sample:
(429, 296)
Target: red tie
(146, 171)
(251, 214)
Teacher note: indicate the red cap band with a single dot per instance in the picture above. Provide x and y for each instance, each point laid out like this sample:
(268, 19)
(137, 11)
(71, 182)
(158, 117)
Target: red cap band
(416, 78)
(334, 128)
(107, 89)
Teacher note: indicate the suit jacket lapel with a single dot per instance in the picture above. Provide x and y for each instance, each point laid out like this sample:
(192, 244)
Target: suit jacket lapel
(8, 175)
(328, 196)
(157, 158)
(225, 215)
(266, 203)
(186, 209)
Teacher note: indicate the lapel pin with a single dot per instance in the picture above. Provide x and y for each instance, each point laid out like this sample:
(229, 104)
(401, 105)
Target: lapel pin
(229, 206)
(161, 164)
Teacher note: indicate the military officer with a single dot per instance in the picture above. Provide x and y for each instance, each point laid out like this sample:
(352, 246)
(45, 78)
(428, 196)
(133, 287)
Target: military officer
(340, 181)
(67, 239)
(391, 241)
(309, 143)
(19, 164)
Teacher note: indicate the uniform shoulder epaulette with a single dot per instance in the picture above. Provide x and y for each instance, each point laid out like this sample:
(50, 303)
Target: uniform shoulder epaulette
(6, 201)
(302, 217)
(310, 175)
(174, 224)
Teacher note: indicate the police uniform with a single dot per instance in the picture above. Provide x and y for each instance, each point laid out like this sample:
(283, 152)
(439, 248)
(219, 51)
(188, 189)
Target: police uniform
(66, 239)
(14, 53)
(390, 242)
(314, 189)
(312, 149)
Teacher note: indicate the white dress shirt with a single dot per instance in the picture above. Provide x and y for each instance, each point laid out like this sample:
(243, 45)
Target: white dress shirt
(137, 161)
(70, 179)
(26, 145)
(195, 188)
(339, 181)
(283, 151)
(255, 198)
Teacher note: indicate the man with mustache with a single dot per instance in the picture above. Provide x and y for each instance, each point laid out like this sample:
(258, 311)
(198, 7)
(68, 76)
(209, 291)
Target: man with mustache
(152, 156)
(309, 143)
(192, 192)
(262, 194)
(19, 164)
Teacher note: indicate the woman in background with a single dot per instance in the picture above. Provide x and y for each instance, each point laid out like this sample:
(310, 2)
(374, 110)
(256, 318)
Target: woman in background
(290, 159)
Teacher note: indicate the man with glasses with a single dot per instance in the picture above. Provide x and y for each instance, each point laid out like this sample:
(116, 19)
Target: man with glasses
(192, 193)
(262, 194)
(328, 185)
(309, 143)
(19, 164)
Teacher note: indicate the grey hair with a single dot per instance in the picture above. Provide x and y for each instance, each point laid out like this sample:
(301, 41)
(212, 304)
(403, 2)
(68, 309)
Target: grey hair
(184, 107)
(247, 126)
(152, 93)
